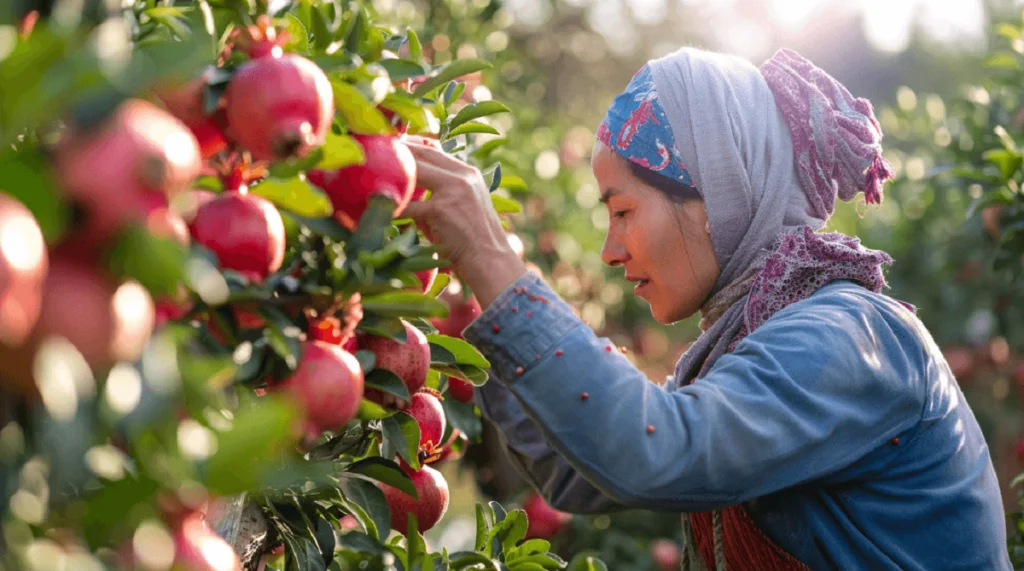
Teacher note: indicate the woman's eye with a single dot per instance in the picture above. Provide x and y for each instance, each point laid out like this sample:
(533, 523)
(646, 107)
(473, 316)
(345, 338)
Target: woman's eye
(619, 214)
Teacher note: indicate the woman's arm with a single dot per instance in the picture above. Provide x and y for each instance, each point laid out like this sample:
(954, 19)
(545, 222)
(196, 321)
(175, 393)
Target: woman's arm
(816, 388)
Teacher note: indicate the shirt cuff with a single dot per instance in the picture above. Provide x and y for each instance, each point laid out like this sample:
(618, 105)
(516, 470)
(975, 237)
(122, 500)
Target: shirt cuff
(521, 326)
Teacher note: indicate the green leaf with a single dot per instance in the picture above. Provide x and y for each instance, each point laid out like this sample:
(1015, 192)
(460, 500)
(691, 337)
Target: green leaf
(1008, 31)
(249, 450)
(404, 304)
(301, 554)
(390, 327)
(415, 48)
(26, 177)
(156, 263)
(295, 195)
(488, 148)
(1002, 60)
(513, 183)
(106, 508)
(369, 410)
(453, 91)
(586, 561)
(464, 559)
(282, 336)
(472, 127)
(440, 282)
(441, 356)
(298, 40)
(528, 548)
(469, 373)
(340, 151)
(403, 433)
(414, 541)
(1008, 162)
(361, 115)
(321, 30)
(495, 179)
(465, 354)
(476, 111)
(483, 529)
(384, 471)
(455, 69)
(400, 69)
(326, 226)
(527, 566)
(408, 110)
(388, 382)
(464, 417)
(505, 205)
(368, 505)
(511, 530)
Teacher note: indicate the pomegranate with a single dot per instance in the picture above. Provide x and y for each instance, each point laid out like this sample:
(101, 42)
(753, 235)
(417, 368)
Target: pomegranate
(113, 171)
(389, 171)
(461, 311)
(327, 329)
(245, 231)
(447, 451)
(545, 521)
(960, 360)
(409, 360)
(666, 555)
(328, 384)
(430, 505)
(351, 344)
(460, 390)
(23, 264)
(279, 106)
(425, 407)
(426, 278)
(990, 221)
(186, 103)
(199, 548)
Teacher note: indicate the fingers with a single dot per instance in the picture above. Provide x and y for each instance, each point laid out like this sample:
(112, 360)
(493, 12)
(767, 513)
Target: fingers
(443, 181)
(435, 155)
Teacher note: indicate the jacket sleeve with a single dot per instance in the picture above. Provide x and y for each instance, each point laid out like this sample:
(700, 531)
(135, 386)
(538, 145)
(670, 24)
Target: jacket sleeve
(820, 385)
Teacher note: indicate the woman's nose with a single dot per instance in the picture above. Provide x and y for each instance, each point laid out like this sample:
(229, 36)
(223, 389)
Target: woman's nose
(613, 253)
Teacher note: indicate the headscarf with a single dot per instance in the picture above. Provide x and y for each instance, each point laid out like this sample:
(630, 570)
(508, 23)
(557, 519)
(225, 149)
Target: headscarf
(768, 151)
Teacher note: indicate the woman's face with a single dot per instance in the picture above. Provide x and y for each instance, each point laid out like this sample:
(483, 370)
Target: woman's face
(664, 246)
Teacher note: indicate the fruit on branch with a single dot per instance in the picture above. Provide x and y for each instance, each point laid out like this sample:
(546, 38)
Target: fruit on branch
(426, 278)
(545, 521)
(245, 231)
(448, 451)
(462, 311)
(330, 328)
(460, 390)
(328, 384)
(429, 506)
(389, 170)
(410, 361)
(199, 548)
(666, 555)
(425, 407)
(186, 102)
(115, 172)
(279, 107)
(23, 264)
(164, 223)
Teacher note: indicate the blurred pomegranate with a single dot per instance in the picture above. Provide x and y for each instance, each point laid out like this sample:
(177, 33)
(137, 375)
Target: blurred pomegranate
(23, 264)
(545, 521)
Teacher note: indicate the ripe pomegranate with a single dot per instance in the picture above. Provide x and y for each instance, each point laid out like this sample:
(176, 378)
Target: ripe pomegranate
(545, 521)
(186, 103)
(199, 548)
(389, 171)
(429, 507)
(23, 264)
(960, 360)
(666, 555)
(447, 451)
(426, 278)
(328, 384)
(245, 231)
(461, 311)
(112, 171)
(279, 106)
(990, 221)
(425, 407)
(460, 390)
(409, 360)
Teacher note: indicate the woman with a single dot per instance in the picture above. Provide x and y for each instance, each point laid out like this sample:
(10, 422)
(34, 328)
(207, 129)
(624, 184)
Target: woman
(814, 423)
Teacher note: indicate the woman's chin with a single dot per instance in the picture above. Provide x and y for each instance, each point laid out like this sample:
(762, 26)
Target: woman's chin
(667, 314)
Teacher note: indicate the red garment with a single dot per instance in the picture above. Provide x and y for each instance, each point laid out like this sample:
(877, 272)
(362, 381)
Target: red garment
(747, 548)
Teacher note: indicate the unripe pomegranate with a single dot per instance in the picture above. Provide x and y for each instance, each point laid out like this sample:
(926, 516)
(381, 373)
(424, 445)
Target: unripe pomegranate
(199, 548)
(245, 231)
(545, 521)
(23, 263)
(106, 322)
(111, 171)
(461, 311)
(666, 555)
(425, 407)
(409, 360)
(460, 390)
(186, 103)
(279, 107)
(328, 384)
(389, 171)
(430, 505)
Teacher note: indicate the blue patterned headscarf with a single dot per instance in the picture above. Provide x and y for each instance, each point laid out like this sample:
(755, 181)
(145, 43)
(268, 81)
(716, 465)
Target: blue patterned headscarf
(636, 128)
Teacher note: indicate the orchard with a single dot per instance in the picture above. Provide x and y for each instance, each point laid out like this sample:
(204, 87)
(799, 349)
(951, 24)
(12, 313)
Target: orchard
(223, 347)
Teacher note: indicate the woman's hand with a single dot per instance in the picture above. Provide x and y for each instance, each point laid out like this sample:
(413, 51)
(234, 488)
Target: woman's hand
(460, 217)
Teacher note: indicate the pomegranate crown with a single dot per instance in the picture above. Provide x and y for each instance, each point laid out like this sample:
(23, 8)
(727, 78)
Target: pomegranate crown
(263, 39)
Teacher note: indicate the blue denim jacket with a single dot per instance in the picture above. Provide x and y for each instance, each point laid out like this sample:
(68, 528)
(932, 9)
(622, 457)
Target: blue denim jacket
(838, 422)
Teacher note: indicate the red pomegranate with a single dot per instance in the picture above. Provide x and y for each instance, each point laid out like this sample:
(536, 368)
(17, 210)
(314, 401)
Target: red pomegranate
(960, 360)
(426, 278)
(199, 548)
(279, 106)
(186, 103)
(425, 407)
(23, 264)
(389, 171)
(327, 329)
(245, 231)
(430, 505)
(461, 311)
(545, 521)
(666, 555)
(447, 451)
(111, 172)
(460, 390)
(409, 360)
(328, 384)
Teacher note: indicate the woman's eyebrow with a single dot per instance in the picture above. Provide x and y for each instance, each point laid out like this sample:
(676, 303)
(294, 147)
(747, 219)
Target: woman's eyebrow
(607, 194)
